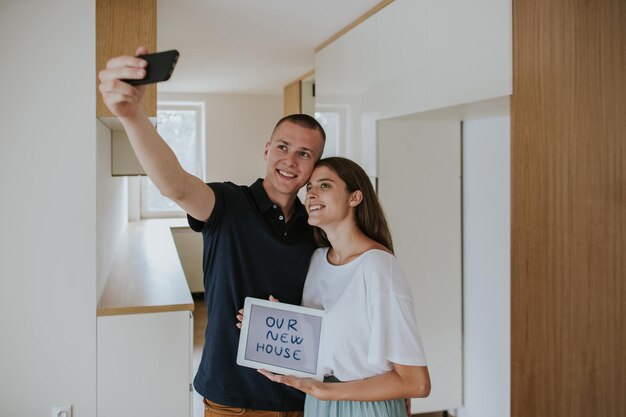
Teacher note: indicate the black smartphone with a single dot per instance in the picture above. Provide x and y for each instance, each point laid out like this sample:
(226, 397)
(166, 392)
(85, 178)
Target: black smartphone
(160, 67)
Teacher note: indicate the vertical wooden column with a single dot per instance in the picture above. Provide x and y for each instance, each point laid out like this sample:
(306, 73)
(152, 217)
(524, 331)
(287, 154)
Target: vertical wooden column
(292, 98)
(568, 169)
(122, 26)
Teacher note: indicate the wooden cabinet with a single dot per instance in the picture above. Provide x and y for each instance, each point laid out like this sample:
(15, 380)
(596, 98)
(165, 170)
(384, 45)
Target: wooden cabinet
(299, 96)
(122, 26)
(291, 97)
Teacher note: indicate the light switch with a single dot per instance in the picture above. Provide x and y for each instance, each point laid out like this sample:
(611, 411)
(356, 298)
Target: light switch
(62, 411)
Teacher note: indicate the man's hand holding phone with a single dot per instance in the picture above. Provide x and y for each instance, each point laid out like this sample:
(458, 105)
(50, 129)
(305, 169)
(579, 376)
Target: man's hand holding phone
(159, 67)
(123, 81)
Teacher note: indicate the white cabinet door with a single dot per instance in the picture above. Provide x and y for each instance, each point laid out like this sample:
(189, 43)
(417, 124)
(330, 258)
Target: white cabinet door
(419, 164)
(144, 365)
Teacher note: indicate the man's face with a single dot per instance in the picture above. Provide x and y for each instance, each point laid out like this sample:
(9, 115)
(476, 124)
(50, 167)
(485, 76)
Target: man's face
(290, 157)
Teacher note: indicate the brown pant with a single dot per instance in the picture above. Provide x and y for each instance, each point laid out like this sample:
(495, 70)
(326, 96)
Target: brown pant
(212, 409)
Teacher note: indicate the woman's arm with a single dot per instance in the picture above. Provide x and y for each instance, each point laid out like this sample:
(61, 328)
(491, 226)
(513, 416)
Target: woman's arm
(402, 382)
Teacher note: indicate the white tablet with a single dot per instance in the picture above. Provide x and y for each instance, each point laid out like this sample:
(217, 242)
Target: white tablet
(282, 338)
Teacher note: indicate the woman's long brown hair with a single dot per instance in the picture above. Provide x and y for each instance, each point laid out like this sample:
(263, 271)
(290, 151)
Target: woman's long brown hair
(369, 214)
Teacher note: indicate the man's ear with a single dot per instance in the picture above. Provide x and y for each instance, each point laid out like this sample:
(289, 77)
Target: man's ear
(355, 198)
(267, 149)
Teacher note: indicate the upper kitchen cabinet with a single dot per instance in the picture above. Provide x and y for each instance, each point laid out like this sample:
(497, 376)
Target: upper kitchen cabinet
(122, 26)
(409, 57)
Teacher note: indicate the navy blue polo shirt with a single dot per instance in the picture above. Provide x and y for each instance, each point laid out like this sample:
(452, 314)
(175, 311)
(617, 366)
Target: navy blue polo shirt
(249, 250)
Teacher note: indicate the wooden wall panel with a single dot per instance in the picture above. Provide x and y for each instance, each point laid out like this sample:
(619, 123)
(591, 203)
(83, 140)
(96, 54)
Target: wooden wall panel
(378, 7)
(121, 27)
(292, 98)
(568, 145)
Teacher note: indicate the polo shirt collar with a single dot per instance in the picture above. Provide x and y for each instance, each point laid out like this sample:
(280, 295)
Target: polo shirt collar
(264, 203)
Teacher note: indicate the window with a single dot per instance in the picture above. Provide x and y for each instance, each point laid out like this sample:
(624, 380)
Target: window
(330, 119)
(181, 125)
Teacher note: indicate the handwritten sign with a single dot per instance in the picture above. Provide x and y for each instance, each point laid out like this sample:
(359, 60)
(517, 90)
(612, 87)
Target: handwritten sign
(281, 338)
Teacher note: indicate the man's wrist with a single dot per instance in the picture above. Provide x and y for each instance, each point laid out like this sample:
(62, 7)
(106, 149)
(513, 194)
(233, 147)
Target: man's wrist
(132, 118)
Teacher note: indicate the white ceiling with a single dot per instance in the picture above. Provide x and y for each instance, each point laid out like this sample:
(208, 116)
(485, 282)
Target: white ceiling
(247, 46)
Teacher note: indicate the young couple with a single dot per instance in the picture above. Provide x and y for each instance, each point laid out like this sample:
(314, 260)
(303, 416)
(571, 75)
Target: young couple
(261, 240)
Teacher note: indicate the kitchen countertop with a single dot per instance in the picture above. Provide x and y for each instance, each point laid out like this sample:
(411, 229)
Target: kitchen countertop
(147, 275)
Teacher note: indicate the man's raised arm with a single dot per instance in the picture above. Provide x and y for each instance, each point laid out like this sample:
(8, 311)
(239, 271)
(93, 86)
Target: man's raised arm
(154, 155)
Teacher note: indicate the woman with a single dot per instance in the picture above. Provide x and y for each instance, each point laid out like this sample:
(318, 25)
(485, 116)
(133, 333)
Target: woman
(371, 341)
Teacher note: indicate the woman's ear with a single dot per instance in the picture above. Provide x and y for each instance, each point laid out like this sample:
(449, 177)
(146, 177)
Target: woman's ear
(355, 198)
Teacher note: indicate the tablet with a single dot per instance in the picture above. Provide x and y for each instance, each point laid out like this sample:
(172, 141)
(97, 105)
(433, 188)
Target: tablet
(281, 338)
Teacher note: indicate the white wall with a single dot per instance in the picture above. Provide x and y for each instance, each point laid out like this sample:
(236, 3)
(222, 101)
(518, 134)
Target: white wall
(111, 207)
(486, 272)
(237, 127)
(48, 218)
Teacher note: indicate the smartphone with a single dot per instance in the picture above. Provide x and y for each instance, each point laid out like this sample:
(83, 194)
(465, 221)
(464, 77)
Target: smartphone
(160, 67)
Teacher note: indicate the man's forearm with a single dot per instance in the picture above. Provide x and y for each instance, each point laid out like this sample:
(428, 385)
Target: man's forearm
(155, 156)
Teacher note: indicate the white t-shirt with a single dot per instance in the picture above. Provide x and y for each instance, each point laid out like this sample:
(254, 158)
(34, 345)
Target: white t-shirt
(369, 318)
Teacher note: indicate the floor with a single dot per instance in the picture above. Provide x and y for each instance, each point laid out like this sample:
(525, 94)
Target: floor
(199, 326)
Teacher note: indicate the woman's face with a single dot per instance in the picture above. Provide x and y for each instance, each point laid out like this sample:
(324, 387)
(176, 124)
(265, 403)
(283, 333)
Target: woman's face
(327, 198)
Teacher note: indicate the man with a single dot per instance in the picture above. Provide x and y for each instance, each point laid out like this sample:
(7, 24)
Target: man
(257, 240)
